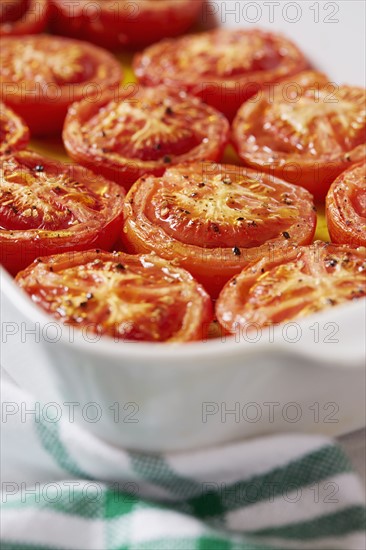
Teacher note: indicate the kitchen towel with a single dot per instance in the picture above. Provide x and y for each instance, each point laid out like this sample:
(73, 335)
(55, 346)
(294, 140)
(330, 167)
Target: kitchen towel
(62, 488)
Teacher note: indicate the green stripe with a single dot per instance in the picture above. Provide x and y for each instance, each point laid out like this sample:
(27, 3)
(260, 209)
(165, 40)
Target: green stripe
(108, 504)
(119, 504)
(344, 522)
(321, 464)
(211, 543)
(157, 471)
(73, 503)
(49, 436)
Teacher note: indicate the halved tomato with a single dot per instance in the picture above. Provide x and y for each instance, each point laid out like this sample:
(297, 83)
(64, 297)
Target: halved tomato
(127, 297)
(18, 17)
(223, 67)
(292, 284)
(47, 207)
(120, 23)
(143, 131)
(40, 76)
(346, 207)
(307, 132)
(14, 134)
(214, 219)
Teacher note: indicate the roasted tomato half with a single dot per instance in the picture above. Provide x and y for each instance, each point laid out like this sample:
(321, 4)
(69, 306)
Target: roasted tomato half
(122, 23)
(307, 132)
(292, 284)
(18, 17)
(223, 67)
(127, 297)
(40, 76)
(214, 219)
(47, 207)
(346, 207)
(126, 137)
(14, 134)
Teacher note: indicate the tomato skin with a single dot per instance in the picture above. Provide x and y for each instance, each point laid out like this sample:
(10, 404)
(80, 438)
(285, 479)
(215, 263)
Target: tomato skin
(223, 67)
(114, 25)
(206, 128)
(14, 133)
(48, 207)
(23, 17)
(278, 135)
(292, 284)
(202, 239)
(134, 298)
(65, 71)
(346, 207)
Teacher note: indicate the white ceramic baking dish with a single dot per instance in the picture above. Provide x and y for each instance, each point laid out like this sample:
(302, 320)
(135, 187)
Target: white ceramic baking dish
(307, 376)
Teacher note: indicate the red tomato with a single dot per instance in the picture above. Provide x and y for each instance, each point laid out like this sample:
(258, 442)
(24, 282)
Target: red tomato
(127, 297)
(346, 207)
(47, 207)
(120, 23)
(40, 76)
(18, 17)
(307, 133)
(223, 67)
(292, 284)
(126, 137)
(14, 134)
(213, 219)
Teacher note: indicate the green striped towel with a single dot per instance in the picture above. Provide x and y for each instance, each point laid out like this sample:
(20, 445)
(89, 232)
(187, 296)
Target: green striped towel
(62, 488)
